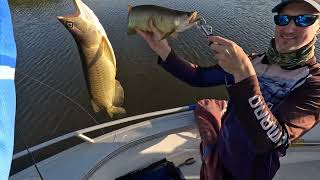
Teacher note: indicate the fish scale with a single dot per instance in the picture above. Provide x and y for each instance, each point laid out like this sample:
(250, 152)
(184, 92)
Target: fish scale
(101, 82)
(98, 59)
(168, 21)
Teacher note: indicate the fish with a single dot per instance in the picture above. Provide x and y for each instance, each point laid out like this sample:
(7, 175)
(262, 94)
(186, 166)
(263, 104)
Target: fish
(97, 58)
(168, 21)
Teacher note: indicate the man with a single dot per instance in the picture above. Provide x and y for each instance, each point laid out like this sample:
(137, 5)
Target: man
(7, 89)
(274, 97)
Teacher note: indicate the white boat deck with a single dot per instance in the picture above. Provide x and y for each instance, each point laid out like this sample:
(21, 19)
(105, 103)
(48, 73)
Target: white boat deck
(173, 137)
(78, 162)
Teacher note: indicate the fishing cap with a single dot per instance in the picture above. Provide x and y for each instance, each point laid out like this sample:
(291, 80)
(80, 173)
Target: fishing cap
(283, 3)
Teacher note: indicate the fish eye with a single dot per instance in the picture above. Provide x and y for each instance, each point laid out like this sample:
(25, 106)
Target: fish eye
(69, 24)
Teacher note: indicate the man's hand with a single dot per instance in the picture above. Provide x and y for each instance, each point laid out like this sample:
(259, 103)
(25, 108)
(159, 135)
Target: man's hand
(232, 58)
(161, 47)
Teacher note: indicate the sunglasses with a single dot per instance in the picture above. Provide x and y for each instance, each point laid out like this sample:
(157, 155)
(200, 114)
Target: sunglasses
(300, 20)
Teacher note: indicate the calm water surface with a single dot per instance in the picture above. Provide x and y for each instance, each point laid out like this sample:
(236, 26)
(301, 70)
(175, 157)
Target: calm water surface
(52, 98)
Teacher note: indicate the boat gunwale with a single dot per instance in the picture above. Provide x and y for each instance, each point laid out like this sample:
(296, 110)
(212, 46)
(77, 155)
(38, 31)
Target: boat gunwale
(101, 126)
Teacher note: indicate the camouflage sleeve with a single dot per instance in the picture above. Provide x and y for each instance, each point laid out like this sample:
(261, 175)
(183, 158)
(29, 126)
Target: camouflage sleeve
(193, 74)
(296, 115)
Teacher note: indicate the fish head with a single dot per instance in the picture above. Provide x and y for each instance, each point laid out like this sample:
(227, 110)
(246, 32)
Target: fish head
(186, 20)
(72, 24)
(77, 27)
(80, 25)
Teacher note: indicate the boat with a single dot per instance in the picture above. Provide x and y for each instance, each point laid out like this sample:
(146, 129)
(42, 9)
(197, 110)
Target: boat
(167, 137)
(168, 134)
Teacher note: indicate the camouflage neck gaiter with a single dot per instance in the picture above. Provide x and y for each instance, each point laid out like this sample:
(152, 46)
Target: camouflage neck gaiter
(292, 59)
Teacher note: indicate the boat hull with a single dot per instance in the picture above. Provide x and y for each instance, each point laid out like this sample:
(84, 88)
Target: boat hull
(174, 137)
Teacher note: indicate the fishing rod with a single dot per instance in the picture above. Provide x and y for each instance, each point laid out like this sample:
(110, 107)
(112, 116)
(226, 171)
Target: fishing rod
(30, 153)
(305, 143)
(67, 97)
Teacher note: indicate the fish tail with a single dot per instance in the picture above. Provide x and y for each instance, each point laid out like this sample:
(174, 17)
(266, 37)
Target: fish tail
(116, 111)
(95, 107)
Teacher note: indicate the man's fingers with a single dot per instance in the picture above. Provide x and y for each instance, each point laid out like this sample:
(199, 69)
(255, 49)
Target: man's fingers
(154, 29)
(218, 48)
(220, 40)
(219, 57)
(140, 32)
(143, 34)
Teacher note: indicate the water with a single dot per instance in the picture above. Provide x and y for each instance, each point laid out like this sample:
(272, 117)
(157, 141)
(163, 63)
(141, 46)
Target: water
(52, 98)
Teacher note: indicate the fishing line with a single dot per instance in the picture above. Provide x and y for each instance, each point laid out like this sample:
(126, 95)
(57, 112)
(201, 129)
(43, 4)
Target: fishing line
(65, 96)
(30, 153)
(62, 94)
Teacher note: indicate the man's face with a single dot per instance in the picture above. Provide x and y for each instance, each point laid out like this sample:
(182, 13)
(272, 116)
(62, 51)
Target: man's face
(291, 37)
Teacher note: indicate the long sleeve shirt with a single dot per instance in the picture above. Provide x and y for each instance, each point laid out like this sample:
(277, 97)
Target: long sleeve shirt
(265, 111)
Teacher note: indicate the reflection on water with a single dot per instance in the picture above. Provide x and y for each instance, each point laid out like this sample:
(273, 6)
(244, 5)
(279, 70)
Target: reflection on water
(49, 71)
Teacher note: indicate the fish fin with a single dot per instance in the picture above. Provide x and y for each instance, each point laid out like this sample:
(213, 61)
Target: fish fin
(167, 34)
(114, 111)
(107, 49)
(119, 95)
(131, 31)
(174, 35)
(95, 107)
(130, 8)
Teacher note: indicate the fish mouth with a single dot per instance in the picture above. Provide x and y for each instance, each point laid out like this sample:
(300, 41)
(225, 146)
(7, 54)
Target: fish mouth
(193, 18)
(75, 14)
